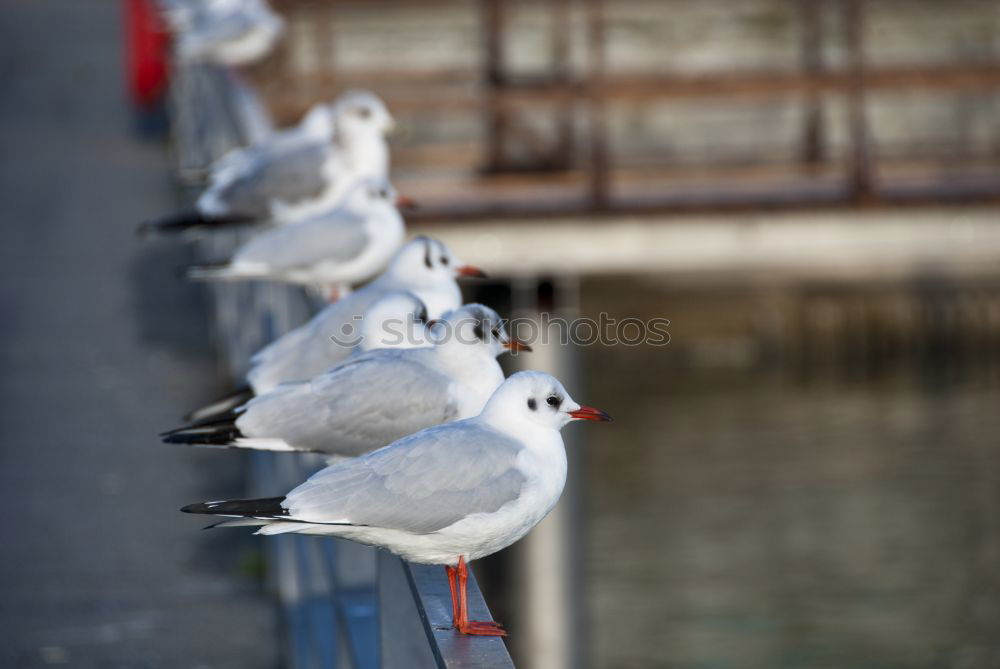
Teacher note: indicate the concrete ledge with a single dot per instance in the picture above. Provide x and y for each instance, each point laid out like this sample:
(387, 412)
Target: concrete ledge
(855, 244)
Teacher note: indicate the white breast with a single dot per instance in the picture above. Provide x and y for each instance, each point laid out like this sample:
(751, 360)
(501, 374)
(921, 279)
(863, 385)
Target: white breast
(479, 535)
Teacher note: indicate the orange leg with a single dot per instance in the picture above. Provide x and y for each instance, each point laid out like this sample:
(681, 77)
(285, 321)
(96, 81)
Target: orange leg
(452, 583)
(463, 624)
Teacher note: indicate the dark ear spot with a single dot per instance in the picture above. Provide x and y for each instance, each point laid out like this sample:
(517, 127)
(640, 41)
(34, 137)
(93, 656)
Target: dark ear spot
(479, 332)
(532, 404)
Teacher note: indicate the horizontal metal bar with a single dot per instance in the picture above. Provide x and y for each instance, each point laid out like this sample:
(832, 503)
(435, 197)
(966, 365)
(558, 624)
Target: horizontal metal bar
(415, 607)
(617, 87)
(430, 588)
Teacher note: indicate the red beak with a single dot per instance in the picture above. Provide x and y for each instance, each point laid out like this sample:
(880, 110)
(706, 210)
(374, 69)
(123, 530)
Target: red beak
(469, 270)
(513, 345)
(408, 203)
(590, 413)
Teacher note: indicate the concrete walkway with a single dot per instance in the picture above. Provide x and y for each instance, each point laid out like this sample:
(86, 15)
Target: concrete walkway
(101, 347)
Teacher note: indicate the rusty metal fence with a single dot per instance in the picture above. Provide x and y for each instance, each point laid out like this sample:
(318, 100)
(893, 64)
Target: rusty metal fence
(573, 106)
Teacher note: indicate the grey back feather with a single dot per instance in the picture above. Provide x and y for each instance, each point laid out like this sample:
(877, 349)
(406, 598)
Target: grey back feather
(310, 349)
(337, 236)
(356, 407)
(289, 172)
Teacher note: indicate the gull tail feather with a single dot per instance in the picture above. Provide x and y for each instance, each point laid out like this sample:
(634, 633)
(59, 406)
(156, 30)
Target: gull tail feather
(278, 527)
(209, 272)
(260, 444)
(237, 522)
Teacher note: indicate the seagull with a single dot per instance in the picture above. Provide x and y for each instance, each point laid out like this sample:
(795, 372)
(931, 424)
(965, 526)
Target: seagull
(344, 247)
(423, 266)
(446, 495)
(372, 399)
(398, 319)
(223, 32)
(294, 173)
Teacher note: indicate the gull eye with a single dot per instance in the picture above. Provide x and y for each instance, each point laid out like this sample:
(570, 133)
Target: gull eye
(553, 401)
(496, 332)
(364, 112)
(444, 260)
(383, 194)
(532, 404)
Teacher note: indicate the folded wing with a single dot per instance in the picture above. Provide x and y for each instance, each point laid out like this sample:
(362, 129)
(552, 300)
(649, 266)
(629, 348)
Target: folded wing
(419, 484)
(338, 236)
(354, 408)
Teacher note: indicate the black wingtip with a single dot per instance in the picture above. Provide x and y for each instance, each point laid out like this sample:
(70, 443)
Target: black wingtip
(189, 220)
(177, 222)
(265, 507)
(220, 421)
(222, 432)
(200, 507)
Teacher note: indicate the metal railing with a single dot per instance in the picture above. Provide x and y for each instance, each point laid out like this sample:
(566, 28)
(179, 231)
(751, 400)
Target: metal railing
(341, 604)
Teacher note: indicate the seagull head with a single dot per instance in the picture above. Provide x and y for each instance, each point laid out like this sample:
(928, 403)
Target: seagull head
(438, 255)
(426, 264)
(476, 325)
(396, 320)
(367, 192)
(536, 399)
(359, 112)
(380, 192)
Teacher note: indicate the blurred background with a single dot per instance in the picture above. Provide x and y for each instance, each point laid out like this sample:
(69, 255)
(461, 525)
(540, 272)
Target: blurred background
(806, 476)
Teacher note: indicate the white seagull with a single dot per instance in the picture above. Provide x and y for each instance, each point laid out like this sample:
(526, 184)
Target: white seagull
(294, 173)
(343, 247)
(372, 399)
(443, 496)
(223, 32)
(424, 266)
(398, 319)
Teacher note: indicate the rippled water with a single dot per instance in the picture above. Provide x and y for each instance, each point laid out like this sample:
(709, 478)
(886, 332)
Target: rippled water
(749, 521)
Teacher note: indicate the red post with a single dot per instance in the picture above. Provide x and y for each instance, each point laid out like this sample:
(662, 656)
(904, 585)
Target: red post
(146, 44)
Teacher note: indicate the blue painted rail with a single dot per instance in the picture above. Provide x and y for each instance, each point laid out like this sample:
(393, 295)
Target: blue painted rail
(342, 605)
